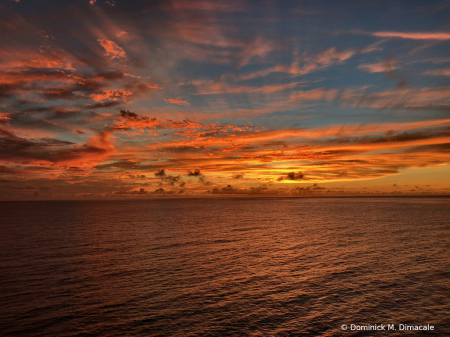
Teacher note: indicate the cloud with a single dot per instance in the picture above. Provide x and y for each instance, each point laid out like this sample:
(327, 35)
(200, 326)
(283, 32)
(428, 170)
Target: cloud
(4, 119)
(309, 63)
(292, 176)
(415, 35)
(120, 34)
(171, 180)
(207, 6)
(218, 88)
(10, 170)
(412, 98)
(257, 49)
(137, 176)
(141, 191)
(110, 94)
(185, 128)
(160, 173)
(15, 149)
(438, 72)
(260, 190)
(194, 173)
(128, 114)
(385, 66)
(204, 181)
(61, 99)
(112, 49)
(177, 101)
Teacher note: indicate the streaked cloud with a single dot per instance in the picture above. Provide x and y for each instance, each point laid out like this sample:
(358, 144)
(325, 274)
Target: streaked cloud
(415, 35)
(214, 98)
(438, 72)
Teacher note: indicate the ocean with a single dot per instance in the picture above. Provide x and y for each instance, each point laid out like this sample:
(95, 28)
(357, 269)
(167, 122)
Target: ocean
(225, 267)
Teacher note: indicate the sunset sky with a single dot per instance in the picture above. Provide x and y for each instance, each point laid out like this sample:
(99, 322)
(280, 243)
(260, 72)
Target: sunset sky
(144, 99)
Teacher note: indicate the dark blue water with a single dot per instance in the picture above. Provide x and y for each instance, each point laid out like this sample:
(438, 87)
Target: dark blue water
(224, 267)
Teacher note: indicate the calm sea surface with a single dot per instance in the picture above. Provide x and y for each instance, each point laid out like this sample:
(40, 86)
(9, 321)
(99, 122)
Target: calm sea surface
(224, 267)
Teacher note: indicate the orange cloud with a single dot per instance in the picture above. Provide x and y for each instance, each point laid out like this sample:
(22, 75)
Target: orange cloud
(177, 101)
(415, 35)
(330, 154)
(46, 152)
(21, 59)
(256, 49)
(110, 94)
(112, 49)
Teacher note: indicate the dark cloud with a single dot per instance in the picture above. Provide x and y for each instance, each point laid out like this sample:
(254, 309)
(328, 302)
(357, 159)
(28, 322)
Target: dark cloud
(308, 190)
(438, 148)
(237, 175)
(17, 149)
(28, 121)
(140, 192)
(102, 105)
(169, 179)
(159, 191)
(194, 173)
(74, 116)
(139, 87)
(292, 176)
(128, 114)
(137, 176)
(204, 180)
(11, 170)
(182, 149)
(125, 165)
(160, 173)
(260, 190)
(224, 190)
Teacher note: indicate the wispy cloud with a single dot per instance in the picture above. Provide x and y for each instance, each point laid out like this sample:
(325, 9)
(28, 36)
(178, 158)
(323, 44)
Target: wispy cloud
(379, 67)
(415, 35)
(177, 101)
(224, 97)
(309, 63)
(438, 72)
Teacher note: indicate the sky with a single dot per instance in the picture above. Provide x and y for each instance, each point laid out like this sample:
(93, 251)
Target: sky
(148, 99)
